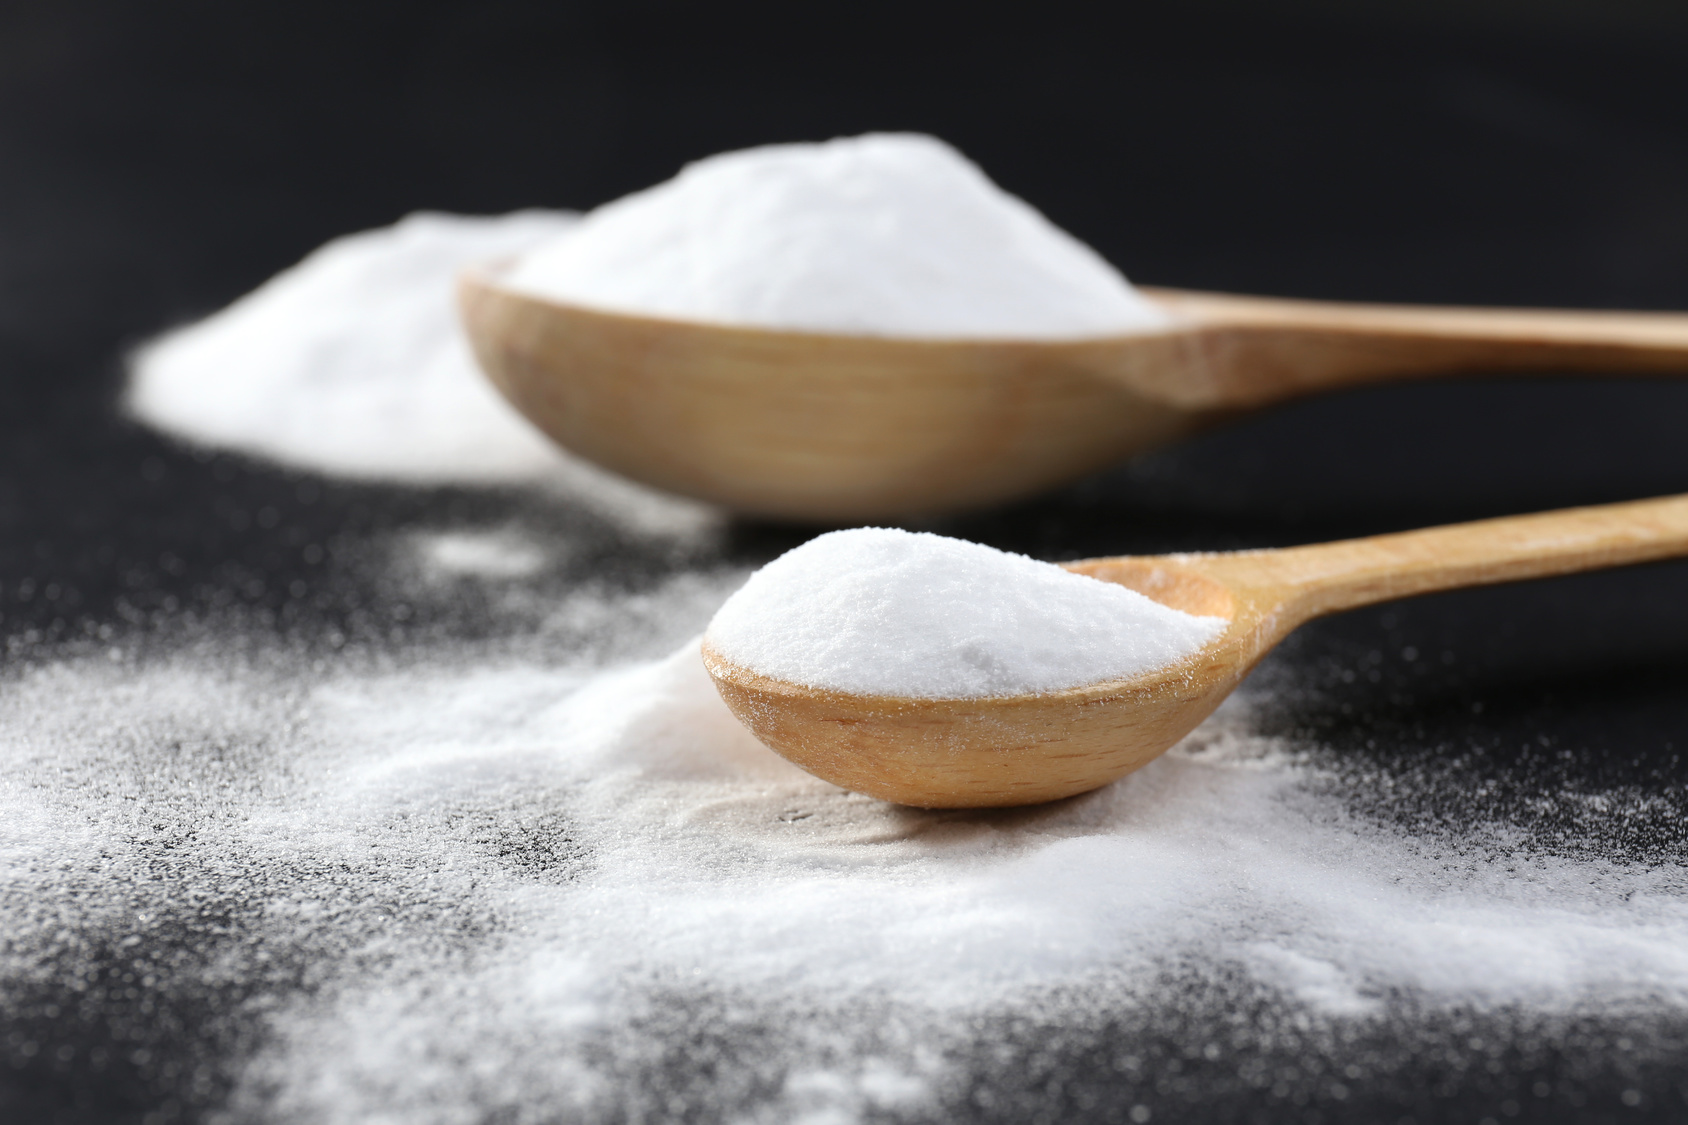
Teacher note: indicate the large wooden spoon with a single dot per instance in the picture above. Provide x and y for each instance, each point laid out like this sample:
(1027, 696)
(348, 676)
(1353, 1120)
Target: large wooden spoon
(1022, 749)
(853, 428)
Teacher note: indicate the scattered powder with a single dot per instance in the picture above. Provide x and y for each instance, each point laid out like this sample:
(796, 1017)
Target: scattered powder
(499, 554)
(883, 235)
(888, 612)
(524, 893)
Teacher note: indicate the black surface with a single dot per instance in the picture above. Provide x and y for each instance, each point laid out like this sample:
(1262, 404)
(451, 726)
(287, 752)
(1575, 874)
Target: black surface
(158, 160)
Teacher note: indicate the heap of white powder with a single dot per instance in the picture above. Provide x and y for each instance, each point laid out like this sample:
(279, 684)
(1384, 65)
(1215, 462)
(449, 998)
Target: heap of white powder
(882, 235)
(353, 362)
(886, 612)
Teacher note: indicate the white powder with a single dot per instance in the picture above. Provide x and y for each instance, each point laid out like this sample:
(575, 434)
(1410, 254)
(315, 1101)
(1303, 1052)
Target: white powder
(887, 612)
(502, 554)
(353, 362)
(526, 893)
(884, 235)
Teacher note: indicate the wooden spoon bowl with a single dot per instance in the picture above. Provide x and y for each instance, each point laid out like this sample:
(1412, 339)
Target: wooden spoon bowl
(1004, 750)
(1024, 749)
(833, 428)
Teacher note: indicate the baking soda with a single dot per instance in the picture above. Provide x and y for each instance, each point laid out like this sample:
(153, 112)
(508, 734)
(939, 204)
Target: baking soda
(885, 612)
(353, 363)
(533, 892)
(881, 235)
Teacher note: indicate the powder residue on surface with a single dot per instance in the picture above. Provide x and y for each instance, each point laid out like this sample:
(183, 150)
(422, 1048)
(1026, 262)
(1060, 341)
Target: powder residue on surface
(517, 892)
(886, 612)
(882, 235)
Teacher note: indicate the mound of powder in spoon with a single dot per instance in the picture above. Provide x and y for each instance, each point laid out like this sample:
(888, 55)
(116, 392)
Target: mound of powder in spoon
(882, 235)
(887, 612)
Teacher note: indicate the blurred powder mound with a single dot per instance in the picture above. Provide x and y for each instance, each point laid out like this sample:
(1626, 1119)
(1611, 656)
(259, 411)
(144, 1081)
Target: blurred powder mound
(352, 362)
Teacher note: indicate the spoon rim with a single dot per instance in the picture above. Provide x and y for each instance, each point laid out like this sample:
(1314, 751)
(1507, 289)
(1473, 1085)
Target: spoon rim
(1096, 692)
(485, 274)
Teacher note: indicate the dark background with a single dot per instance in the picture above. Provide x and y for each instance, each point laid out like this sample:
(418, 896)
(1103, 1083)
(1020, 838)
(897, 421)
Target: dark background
(159, 159)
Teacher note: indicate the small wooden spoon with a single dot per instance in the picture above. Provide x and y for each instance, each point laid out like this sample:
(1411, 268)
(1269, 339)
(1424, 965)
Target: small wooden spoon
(853, 428)
(1023, 749)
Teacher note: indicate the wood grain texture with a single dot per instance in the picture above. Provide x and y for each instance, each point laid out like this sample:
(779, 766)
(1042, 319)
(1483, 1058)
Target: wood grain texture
(1023, 749)
(849, 428)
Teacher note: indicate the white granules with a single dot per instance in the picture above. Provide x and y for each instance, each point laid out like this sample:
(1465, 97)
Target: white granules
(882, 235)
(886, 612)
(353, 362)
(516, 892)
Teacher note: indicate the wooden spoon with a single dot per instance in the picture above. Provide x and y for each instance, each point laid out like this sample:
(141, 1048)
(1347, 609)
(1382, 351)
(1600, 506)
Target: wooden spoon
(852, 428)
(1022, 749)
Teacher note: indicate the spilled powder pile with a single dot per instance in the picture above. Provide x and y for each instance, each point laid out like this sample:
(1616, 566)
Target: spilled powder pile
(888, 612)
(883, 235)
(353, 362)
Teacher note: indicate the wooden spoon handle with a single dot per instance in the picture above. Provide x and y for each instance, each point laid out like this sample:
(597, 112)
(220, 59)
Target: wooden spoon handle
(1309, 581)
(1255, 350)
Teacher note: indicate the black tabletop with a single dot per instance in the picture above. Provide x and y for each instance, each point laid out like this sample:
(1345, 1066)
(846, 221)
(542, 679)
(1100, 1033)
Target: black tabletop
(156, 161)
